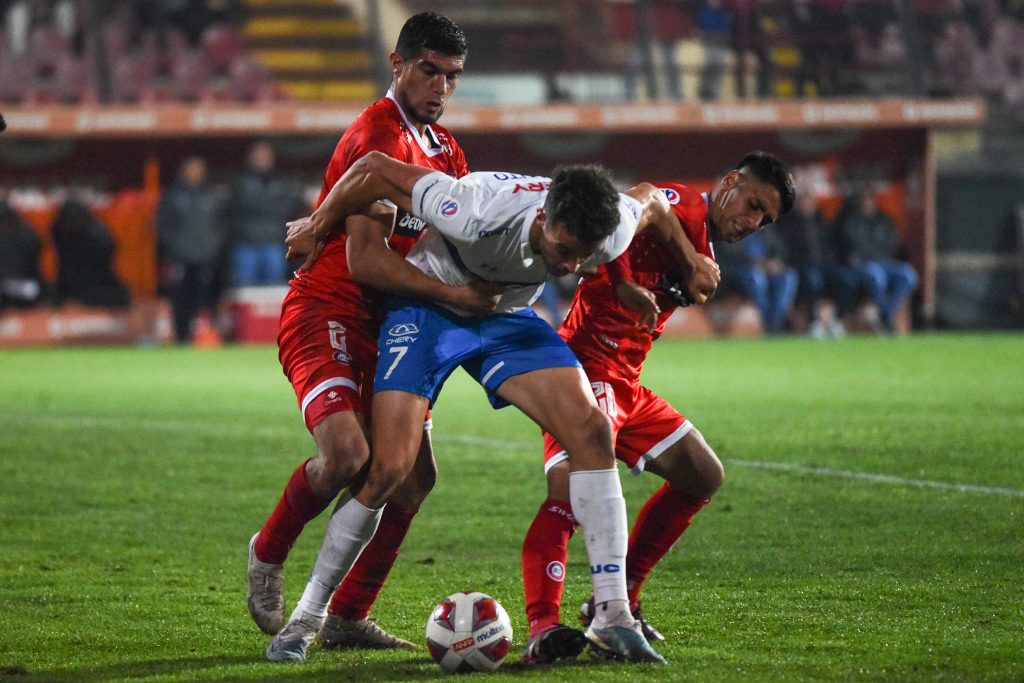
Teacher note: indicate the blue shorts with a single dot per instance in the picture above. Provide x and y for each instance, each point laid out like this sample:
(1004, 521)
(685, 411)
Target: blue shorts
(420, 345)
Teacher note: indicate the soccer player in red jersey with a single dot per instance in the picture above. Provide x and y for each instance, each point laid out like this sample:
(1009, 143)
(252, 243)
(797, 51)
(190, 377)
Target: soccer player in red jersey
(328, 335)
(614, 318)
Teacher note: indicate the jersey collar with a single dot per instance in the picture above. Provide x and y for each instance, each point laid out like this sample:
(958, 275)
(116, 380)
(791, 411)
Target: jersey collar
(429, 151)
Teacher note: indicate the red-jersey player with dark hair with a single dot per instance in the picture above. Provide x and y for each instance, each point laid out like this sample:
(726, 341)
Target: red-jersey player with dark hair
(328, 341)
(614, 318)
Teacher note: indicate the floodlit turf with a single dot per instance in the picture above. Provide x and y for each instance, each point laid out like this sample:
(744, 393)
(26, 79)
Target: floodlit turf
(843, 545)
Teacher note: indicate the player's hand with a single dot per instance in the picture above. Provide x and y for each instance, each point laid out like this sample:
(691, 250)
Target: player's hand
(302, 243)
(703, 281)
(640, 299)
(477, 298)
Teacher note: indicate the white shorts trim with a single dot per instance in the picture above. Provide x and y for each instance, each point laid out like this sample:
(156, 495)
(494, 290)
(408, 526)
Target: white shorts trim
(555, 459)
(660, 447)
(653, 453)
(324, 386)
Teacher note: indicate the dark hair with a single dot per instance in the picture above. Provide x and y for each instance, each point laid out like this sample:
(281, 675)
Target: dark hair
(583, 199)
(769, 169)
(430, 31)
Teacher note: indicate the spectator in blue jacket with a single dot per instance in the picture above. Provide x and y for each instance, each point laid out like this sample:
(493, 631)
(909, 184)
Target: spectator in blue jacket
(260, 205)
(757, 266)
(870, 245)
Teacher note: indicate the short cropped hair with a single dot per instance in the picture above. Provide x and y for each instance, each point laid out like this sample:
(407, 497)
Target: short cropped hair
(768, 169)
(584, 200)
(430, 31)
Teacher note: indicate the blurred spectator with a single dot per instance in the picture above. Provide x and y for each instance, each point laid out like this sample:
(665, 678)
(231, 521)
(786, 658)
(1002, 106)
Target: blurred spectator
(191, 236)
(811, 251)
(714, 25)
(188, 16)
(20, 283)
(85, 258)
(756, 265)
(955, 53)
(869, 244)
(824, 46)
(260, 205)
(17, 24)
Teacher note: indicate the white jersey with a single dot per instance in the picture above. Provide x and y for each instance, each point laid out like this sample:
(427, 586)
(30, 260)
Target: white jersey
(481, 231)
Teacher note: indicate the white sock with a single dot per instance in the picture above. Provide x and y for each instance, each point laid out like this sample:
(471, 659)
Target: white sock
(351, 527)
(600, 509)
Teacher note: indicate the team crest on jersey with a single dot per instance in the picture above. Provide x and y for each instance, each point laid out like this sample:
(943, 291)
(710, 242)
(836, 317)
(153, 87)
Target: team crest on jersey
(671, 195)
(449, 207)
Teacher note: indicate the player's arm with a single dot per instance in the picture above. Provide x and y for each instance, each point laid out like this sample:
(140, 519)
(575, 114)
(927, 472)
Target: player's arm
(372, 177)
(373, 263)
(701, 274)
(634, 296)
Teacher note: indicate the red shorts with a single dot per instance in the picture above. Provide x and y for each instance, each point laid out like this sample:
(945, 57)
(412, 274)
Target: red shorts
(644, 425)
(329, 355)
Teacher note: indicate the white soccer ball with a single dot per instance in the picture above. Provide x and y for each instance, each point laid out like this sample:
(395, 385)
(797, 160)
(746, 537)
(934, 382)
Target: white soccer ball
(469, 632)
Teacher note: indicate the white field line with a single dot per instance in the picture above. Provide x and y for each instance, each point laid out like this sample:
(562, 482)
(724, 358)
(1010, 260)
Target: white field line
(469, 440)
(879, 478)
(788, 467)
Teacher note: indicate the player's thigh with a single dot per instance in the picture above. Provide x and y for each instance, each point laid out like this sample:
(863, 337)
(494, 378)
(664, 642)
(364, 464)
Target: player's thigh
(342, 441)
(328, 358)
(690, 466)
(561, 402)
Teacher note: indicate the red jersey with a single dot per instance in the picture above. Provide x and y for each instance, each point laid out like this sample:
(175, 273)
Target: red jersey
(382, 126)
(603, 331)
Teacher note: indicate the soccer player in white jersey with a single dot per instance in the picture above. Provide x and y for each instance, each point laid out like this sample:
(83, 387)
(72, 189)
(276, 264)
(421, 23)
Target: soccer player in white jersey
(517, 231)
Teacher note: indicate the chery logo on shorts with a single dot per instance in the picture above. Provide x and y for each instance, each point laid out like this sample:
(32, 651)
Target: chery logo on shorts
(402, 329)
(449, 208)
(671, 195)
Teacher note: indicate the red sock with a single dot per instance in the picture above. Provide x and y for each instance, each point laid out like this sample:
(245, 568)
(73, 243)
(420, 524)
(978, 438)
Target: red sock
(545, 550)
(298, 505)
(362, 585)
(660, 523)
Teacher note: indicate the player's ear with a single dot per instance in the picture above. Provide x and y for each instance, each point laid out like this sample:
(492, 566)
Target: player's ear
(731, 179)
(397, 62)
(543, 220)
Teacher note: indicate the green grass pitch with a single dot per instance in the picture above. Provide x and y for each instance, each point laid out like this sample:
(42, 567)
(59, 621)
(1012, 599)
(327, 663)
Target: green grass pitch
(871, 526)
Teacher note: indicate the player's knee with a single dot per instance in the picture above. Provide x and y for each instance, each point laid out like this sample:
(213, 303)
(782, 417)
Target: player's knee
(699, 473)
(417, 486)
(343, 457)
(593, 441)
(384, 479)
(710, 474)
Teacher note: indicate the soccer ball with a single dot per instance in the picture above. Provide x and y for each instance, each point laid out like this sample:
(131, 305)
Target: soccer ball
(469, 632)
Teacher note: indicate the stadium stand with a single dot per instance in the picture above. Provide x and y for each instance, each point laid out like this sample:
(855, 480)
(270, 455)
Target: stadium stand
(314, 49)
(224, 56)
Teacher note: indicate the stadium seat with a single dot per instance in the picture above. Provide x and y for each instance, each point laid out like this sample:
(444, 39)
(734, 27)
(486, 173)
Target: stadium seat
(73, 81)
(46, 49)
(129, 76)
(251, 81)
(221, 44)
(15, 80)
(191, 77)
